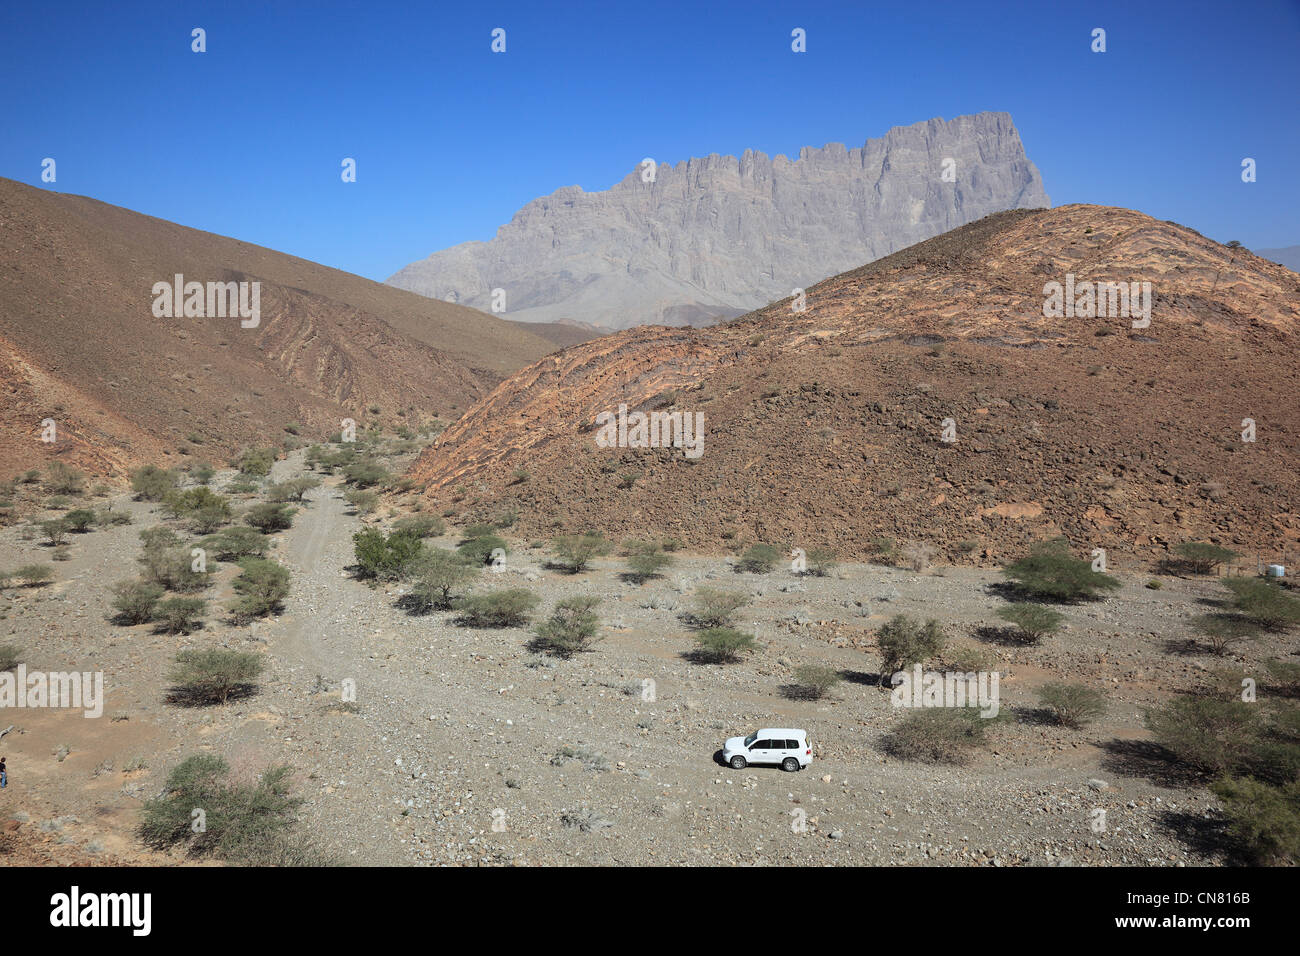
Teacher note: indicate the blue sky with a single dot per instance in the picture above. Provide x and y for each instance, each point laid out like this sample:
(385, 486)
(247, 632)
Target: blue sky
(450, 139)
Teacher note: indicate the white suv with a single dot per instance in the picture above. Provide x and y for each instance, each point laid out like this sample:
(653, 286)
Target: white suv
(788, 748)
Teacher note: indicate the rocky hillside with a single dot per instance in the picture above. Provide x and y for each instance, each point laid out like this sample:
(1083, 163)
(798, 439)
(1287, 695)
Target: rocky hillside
(715, 237)
(80, 344)
(826, 426)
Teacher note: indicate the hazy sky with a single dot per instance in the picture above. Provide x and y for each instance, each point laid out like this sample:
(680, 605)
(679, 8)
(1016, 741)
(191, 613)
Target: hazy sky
(450, 139)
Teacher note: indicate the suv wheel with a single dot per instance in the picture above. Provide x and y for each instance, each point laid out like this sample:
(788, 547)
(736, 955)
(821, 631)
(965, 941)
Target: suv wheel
(738, 763)
(789, 765)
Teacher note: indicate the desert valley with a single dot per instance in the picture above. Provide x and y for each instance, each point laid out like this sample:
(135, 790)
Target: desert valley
(863, 506)
(823, 437)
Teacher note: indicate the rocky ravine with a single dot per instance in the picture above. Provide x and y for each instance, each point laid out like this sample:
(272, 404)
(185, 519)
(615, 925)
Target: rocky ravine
(714, 237)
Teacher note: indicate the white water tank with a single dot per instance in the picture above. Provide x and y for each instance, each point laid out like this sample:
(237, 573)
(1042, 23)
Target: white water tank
(1276, 571)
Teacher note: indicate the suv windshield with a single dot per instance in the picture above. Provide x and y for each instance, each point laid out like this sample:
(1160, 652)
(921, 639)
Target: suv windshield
(751, 738)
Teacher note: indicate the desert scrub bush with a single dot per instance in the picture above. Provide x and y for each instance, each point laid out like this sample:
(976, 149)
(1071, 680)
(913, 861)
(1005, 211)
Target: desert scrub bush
(723, 645)
(813, 682)
(918, 555)
(1283, 676)
(62, 553)
(241, 485)
(240, 541)
(203, 508)
(152, 483)
(939, 735)
(62, 479)
(711, 607)
(511, 607)
(759, 559)
(1223, 631)
(585, 820)
(646, 563)
(213, 676)
(59, 503)
(261, 587)
(573, 551)
(1262, 820)
(590, 759)
(270, 516)
(420, 526)
(904, 642)
(820, 562)
(518, 476)
(436, 575)
(332, 461)
(34, 575)
(1277, 751)
(1032, 621)
(571, 629)
(884, 549)
(203, 473)
(362, 502)
(1202, 557)
(382, 557)
(365, 473)
(168, 564)
(1050, 573)
(55, 530)
(1072, 705)
(1263, 603)
(10, 656)
(135, 601)
(79, 520)
(1206, 733)
(158, 539)
(671, 544)
(108, 518)
(294, 489)
(255, 462)
(179, 615)
(477, 549)
(243, 823)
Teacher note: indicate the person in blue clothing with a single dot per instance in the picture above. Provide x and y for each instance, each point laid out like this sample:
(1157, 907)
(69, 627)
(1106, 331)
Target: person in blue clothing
(4, 776)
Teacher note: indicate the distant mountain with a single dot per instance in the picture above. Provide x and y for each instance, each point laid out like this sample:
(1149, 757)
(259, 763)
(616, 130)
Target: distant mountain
(80, 343)
(1288, 256)
(712, 238)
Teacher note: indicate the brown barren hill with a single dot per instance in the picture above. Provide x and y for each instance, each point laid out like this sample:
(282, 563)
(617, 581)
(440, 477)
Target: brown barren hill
(826, 427)
(80, 345)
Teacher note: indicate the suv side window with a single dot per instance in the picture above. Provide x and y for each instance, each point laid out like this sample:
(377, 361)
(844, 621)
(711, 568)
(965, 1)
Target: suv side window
(792, 745)
(762, 745)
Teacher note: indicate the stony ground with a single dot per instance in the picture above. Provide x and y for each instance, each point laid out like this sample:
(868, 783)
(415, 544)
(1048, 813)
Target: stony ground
(454, 752)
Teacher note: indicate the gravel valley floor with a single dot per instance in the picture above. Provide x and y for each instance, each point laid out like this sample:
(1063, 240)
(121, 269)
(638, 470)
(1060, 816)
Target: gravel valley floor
(455, 752)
